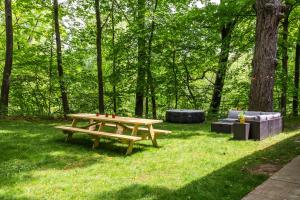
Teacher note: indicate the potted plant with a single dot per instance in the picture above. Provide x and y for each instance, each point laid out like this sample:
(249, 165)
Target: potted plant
(242, 117)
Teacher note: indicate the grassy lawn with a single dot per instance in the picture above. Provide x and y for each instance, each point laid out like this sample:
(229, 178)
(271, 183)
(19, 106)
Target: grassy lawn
(191, 163)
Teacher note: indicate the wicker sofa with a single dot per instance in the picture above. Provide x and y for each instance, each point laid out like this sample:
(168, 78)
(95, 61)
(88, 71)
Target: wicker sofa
(262, 124)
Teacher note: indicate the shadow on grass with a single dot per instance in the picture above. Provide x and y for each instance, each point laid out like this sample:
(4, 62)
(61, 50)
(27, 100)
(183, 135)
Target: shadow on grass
(230, 182)
(27, 147)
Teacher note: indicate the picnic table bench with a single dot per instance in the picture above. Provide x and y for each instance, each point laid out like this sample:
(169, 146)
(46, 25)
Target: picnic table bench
(141, 129)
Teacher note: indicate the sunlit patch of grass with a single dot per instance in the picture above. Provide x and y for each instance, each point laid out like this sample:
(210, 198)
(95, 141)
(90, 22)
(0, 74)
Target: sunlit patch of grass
(191, 163)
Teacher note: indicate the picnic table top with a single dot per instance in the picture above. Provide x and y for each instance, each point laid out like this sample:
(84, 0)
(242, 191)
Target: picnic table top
(117, 119)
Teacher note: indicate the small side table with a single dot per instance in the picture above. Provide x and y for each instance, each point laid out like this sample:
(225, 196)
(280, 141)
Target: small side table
(241, 131)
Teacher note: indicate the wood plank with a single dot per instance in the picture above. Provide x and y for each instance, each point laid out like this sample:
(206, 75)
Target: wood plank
(135, 130)
(130, 147)
(157, 131)
(70, 134)
(152, 135)
(128, 120)
(97, 133)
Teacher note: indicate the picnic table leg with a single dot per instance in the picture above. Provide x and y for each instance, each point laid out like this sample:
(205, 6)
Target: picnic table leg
(101, 125)
(70, 134)
(135, 130)
(130, 147)
(152, 135)
(93, 127)
(120, 129)
(96, 142)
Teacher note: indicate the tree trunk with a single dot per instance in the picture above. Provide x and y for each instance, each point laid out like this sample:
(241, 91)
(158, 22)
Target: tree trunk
(8, 60)
(149, 73)
(264, 59)
(147, 101)
(50, 75)
(114, 57)
(188, 78)
(59, 60)
(140, 84)
(152, 93)
(175, 76)
(284, 79)
(296, 78)
(99, 58)
(221, 73)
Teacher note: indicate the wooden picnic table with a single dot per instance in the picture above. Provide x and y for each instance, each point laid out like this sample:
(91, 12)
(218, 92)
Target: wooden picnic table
(141, 129)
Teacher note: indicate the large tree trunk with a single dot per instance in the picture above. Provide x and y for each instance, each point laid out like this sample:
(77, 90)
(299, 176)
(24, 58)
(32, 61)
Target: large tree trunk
(99, 58)
(114, 57)
(296, 78)
(59, 61)
(221, 73)
(264, 60)
(140, 83)
(149, 72)
(284, 77)
(8, 60)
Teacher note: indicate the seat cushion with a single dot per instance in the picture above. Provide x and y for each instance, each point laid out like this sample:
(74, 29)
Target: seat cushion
(252, 113)
(251, 118)
(234, 114)
(229, 120)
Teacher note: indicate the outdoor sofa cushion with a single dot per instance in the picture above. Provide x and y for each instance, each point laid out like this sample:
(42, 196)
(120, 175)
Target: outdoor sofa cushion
(229, 120)
(252, 113)
(249, 117)
(234, 114)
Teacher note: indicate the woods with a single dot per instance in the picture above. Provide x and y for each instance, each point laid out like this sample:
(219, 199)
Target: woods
(143, 57)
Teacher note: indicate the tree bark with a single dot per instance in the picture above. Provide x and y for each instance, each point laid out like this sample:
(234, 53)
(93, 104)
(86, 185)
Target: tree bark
(114, 57)
(8, 60)
(50, 74)
(174, 70)
(99, 58)
(140, 84)
(149, 72)
(59, 60)
(284, 77)
(221, 73)
(188, 78)
(264, 59)
(296, 77)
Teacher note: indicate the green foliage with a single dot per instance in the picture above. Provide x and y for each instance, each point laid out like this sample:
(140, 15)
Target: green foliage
(185, 51)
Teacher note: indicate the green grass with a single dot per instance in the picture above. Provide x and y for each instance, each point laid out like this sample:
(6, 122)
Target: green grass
(191, 163)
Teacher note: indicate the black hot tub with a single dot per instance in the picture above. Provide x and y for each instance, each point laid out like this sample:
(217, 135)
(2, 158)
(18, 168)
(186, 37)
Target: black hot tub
(185, 116)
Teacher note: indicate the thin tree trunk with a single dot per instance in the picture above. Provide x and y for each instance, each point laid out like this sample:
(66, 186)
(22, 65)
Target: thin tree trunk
(114, 57)
(296, 77)
(8, 60)
(221, 73)
(147, 101)
(140, 84)
(188, 78)
(175, 77)
(284, 77)
(59, 60)
(50, 76)
(99, 58)
(264, 59)
(152, 93)
(149, 73)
